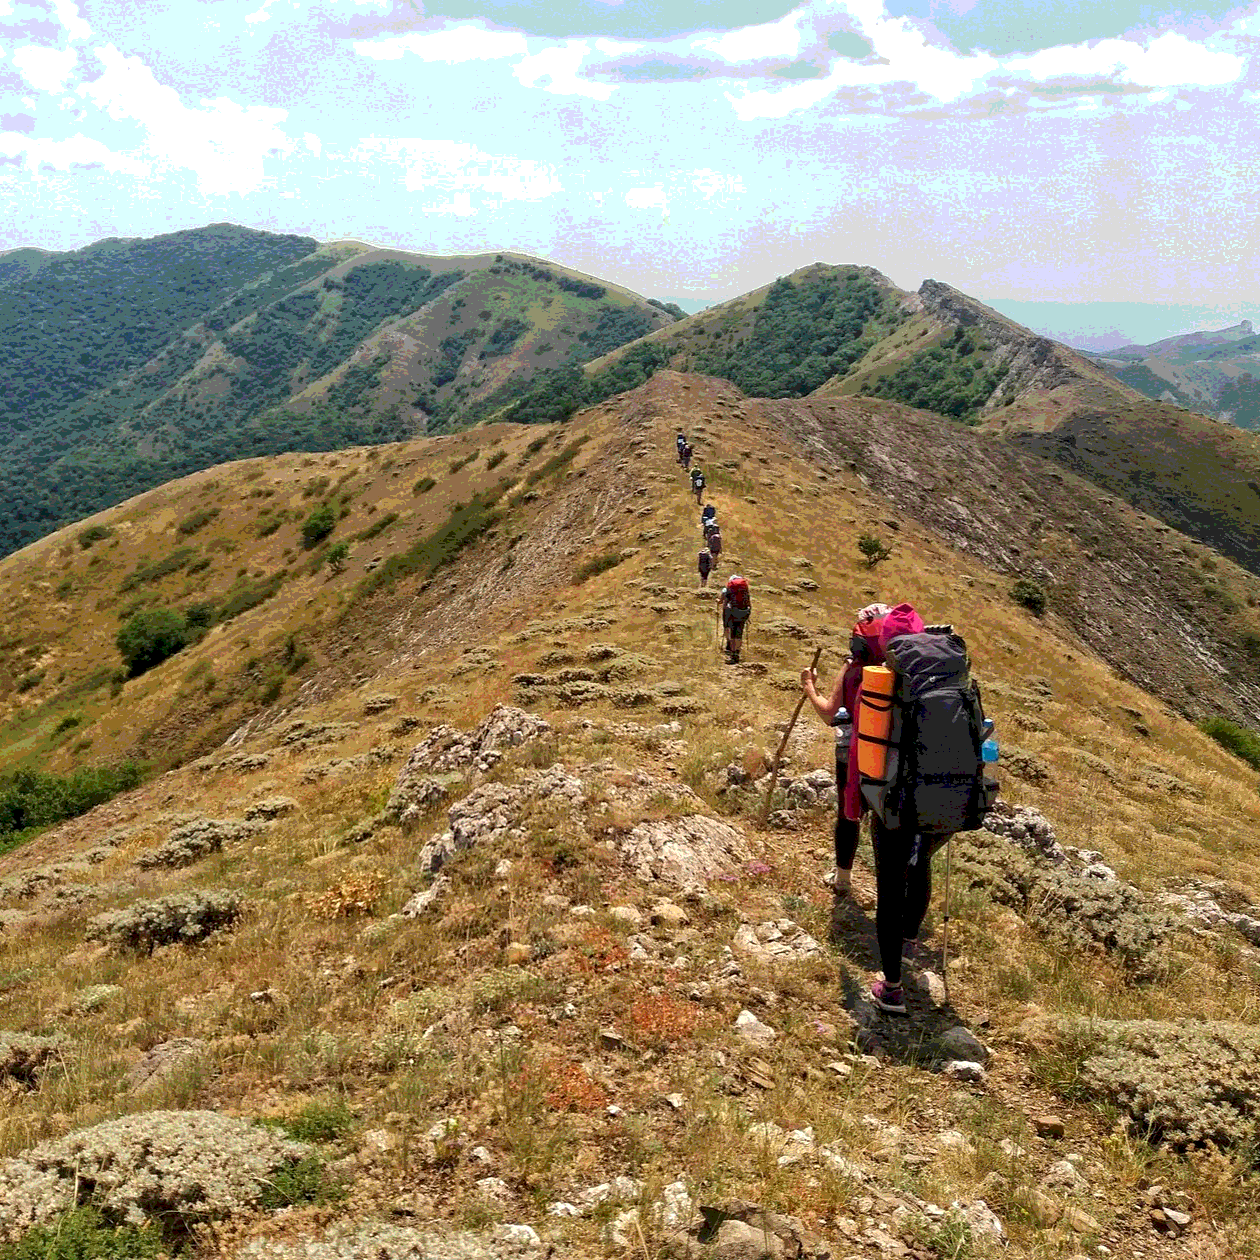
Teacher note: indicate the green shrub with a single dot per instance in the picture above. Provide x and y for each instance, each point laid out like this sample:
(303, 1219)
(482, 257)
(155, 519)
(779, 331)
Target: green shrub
(149, 637)
(65, 588)
(377, 528)
(336, 555)
(495, 460)
(196, 520)
(1239, 740)
(321, 522)
(318, 1122)
(267, 525)
(168, 564)
(303, 1182)
(85, 1234)
(423, 486)
(67, 723)
(558, 461)
(596, 565)
(1029, 594)
(31, 799)
(463, 463)
(245, 595)
(463, 526)
(873, 549)
(28, 682)
(94, 534)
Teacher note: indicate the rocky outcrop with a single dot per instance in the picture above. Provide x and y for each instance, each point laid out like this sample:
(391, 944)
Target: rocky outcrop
(688, 852)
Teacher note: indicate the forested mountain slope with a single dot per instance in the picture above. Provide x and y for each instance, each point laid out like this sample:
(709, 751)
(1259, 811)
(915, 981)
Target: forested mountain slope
(133, 361)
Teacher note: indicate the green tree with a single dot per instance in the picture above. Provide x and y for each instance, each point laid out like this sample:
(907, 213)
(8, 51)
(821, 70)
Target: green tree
(148, 637)
(874, 549)
(318, 526)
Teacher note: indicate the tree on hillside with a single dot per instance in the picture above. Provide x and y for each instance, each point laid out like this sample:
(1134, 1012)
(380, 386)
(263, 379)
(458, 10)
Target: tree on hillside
(318, 526)
(148, 637)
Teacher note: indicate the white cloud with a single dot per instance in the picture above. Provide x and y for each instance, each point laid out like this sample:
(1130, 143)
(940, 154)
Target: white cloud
(456, 171)
(1170, 60)
(223, 142)
(313, 143)
(556, 70)
(647, 198)
(755, 43)
(453, 45)
(61, 155)
(710, 183)
(67, 12)
(45, 69)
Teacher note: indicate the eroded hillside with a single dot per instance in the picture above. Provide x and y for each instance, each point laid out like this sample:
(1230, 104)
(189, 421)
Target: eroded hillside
(537, 975)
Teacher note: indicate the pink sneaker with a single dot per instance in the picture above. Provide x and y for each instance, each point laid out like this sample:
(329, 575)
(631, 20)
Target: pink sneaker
(889, 997)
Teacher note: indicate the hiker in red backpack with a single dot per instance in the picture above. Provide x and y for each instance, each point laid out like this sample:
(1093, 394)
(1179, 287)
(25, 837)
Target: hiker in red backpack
(736, 609)
(705, 565)
(837, 710)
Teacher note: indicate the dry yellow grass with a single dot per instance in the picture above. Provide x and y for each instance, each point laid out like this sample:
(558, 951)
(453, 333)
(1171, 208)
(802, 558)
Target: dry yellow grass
(319, 994)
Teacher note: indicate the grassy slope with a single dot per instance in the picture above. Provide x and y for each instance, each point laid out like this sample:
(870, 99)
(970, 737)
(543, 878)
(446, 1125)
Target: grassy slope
(348, 988)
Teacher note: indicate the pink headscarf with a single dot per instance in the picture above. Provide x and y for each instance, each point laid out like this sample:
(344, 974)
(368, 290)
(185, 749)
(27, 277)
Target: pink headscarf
(900, 620)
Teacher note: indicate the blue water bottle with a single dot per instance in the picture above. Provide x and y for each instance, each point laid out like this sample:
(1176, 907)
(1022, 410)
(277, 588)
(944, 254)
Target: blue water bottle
(989, 749)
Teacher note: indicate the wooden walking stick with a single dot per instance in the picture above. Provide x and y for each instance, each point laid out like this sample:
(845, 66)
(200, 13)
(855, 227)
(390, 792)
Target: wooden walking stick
(774, 770)
(949, 848)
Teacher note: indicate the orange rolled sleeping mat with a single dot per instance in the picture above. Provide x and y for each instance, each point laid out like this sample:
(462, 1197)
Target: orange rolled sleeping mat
(874, 720)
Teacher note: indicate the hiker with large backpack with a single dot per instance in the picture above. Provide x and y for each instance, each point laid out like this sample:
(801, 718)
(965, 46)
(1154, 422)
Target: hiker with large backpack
(837, 711)
(705, 565)
(681, 442)
(714, 535)
(697, 483)
(919, 767)
(736, 609)
(687, 452)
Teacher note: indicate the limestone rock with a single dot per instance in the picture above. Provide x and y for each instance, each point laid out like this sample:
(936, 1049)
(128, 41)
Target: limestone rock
(777, 942)
(686, 851)
(23, 1056)
(753, 1030)
(422, 902)
(164, 1060)
(960, 1043)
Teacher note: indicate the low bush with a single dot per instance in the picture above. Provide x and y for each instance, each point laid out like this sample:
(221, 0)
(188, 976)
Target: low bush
(596, 565)
(557, 462)
(336, 556)
(196, 520)
(377, 527)
(85, 1234)
(1183, 1082)
(181, 918)
(873, 549)
(1242, 741)
(170, 563)
(1029, 595)
(94, 534)
(423, 486)
(28, 682)
(249, 594)
(495, 460)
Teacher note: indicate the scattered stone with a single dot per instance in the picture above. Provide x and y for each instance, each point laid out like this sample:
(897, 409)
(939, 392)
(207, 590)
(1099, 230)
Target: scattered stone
(382, 1240)
(629, 916)
(378, 704)
(517, 953)
(1200, 902)
(1049, 1126)
(164, 1060)
(666, 914)
(984, 1222)
(753, 1030)
(961, 1070)
(781, 941)
(424, 901)
(1040, 1206)
(960, 1043)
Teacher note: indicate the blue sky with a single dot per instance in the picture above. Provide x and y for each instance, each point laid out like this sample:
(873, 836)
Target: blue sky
(1067, 152)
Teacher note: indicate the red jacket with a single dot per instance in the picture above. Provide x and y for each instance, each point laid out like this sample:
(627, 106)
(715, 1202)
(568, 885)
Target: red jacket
(901, 620)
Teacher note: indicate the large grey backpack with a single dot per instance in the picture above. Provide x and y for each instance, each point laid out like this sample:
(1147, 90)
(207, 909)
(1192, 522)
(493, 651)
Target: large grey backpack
(934, 781)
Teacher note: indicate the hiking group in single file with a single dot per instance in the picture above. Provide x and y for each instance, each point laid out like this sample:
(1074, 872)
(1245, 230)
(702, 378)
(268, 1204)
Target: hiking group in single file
(913, 750)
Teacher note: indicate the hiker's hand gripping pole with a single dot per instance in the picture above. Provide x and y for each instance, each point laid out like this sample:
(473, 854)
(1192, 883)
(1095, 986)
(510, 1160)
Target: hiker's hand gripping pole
(778, 753)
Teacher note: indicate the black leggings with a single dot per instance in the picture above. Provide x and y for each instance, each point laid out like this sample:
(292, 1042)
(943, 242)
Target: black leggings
(846, 829)
(903, 891)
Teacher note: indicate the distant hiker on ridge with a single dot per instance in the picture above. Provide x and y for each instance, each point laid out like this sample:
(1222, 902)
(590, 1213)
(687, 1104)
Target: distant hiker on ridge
(837, 711)
(705, 565)
(697, 483)
(736, 609)
(681, 442)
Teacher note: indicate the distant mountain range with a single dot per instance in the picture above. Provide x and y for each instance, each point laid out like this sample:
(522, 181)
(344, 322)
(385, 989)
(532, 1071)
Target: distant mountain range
(1216, 373)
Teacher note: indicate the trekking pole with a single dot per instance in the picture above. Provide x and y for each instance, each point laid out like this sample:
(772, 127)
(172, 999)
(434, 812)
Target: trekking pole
(774, 770)
(949, 850)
